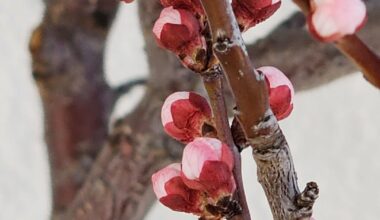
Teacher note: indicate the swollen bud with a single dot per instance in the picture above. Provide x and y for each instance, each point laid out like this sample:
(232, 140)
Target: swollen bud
(330, 20)
(207, 165)
(281, 91)
(172, 192)
(184, 115)
(251, 12)
(178, 30)
(175, 28)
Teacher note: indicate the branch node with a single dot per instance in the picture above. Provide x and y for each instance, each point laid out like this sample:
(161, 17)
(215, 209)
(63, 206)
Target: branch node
(226, 207)
(307, 198)
(267, 126)
(223, 42)
(238, 135)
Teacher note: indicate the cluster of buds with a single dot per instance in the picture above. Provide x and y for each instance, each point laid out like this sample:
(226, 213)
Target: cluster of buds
(181, 27)
(330, 20)
(201, 182)
(187, 115)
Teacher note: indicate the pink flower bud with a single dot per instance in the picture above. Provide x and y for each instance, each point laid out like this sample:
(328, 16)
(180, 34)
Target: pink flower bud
(281, 91)
(193, 5)
(172, 192)
(184, 114)
(178, 30)
(207, 165)
(330, 20)
(175, 28)
(251, 12)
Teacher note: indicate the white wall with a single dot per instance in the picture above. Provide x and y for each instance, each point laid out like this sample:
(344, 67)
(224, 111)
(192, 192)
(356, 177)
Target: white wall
(333, 131)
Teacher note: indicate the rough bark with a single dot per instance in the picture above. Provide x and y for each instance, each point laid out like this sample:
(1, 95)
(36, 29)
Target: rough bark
(67, 50)
(275, 167)
(277, 175)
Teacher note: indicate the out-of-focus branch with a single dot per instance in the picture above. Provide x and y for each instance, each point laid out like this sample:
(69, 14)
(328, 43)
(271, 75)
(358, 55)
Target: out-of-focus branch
(276, 171)
(306, 62)
(126, 87)
(355, 49)
(119, 185)
(67, 50)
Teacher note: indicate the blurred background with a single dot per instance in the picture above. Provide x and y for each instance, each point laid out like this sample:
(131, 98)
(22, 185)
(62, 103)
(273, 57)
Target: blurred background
(333, 132)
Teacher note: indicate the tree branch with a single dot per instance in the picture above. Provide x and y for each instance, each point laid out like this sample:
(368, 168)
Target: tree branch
(119, 185)
(126, 87)
(314, 63)
(355, 49)
(213, 83)
(67, 50)
(271, 152)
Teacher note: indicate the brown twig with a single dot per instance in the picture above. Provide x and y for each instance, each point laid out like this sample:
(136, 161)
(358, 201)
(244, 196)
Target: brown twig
(355, 49)
(246, 83)
(271, 152)
(213, 83)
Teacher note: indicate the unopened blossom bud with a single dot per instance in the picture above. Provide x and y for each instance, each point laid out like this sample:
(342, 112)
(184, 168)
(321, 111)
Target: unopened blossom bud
(184, 115)
(281, 91)
(172, 192)
(330, 20)
(178, 30)
(207, 165)
(192, 5)
(251, 12)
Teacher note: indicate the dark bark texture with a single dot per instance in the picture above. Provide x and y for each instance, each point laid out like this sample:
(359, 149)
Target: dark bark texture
(275, 166)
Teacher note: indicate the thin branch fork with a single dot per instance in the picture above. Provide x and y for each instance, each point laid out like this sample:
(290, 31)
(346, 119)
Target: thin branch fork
(213, 82)
(355, 49)
(276, 171)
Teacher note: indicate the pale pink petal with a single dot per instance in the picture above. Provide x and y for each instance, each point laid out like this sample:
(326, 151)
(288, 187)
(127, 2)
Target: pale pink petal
(337, 17)
(197, 152)
(168, 15)
(166, 115)
(160, 178)
(276, 78)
